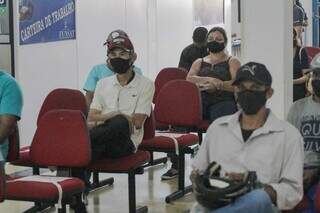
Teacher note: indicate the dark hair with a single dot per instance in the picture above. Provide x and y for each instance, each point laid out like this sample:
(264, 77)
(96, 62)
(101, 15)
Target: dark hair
(200, 34)
(220, 30)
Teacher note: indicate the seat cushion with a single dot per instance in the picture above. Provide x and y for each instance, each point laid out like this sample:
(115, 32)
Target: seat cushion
(33, 190)
(24, 158)
(165, 141)
(120, 165)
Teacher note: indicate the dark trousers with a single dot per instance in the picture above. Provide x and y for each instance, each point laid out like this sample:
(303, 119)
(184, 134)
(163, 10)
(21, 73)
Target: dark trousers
(111, 139)
(108, 140)
(213, 111)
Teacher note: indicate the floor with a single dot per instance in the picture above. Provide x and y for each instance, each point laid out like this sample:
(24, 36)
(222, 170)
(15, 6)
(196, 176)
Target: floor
(150, 190)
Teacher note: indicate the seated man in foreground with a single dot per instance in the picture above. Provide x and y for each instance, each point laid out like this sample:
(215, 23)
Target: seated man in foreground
(253, 139)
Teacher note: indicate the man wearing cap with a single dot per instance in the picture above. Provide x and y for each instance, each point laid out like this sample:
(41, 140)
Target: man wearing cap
(121, 103)
(104, 70)
(198, 49)
(253, 139)
(305, 115)
(120, 106)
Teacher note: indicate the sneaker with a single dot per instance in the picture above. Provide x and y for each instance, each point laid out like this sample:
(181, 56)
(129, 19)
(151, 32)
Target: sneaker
(170, 174)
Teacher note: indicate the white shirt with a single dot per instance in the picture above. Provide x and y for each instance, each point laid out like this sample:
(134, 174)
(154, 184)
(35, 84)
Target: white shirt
(274, 151)
(136, 97)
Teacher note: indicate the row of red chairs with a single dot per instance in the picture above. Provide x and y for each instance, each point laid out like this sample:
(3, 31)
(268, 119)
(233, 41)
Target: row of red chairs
(181, 112)
(172, 107)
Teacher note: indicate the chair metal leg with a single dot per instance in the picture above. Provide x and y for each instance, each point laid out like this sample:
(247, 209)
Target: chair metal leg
(38, 207)
(182, 190)
(97, 183)
(153, 162)
(36, 170)
(63, 209)
(132, 195)
(200, 135)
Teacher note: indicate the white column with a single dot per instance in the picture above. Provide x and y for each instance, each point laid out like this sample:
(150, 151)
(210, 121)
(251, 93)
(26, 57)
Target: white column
(267, 38)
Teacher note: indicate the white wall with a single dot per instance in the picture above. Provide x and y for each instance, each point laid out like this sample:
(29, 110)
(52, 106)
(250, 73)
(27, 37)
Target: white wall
(268, 39)
(159, 30)
(39, 69)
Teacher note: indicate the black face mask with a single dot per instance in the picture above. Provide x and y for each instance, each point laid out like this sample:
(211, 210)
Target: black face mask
(316, 87)
(251, 101)
(215, 47)
(120, 65)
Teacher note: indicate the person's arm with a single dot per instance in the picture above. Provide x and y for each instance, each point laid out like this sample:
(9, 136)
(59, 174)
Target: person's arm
(303, 57)
(10, 109)
(144, 105)
(89, 98)
(289, 189)
(90, 85)
(96, 116)
(234, 65)
(184, 62)
(8, 124)
(205, 82)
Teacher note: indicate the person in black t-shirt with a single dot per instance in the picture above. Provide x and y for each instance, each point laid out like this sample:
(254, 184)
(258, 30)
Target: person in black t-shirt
(197, 49)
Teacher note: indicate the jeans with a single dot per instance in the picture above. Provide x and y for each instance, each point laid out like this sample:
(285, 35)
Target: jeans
(311, 193)
(256, 201)
(213, 111)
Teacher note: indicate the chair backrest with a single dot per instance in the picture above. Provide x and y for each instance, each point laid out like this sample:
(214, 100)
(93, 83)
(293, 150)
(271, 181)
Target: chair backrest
(63, 99)
(179, 103)
(14, 146)
(149, 127)
(312, 51)
(166, 75)
(61, 139)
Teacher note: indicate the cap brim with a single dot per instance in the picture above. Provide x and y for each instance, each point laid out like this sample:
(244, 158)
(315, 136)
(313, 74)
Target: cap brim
(247, 78)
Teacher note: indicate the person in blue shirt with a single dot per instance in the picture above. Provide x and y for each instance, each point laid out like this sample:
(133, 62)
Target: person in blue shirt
(104, 70)
(11, 102)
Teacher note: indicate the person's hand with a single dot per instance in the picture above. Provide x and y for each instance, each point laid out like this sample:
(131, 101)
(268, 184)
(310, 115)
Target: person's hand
(207, 86)
(217, 83)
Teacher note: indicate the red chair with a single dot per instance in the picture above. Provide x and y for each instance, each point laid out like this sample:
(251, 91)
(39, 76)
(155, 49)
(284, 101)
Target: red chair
(166, 75)
(312, 51)
(173, 107)
(57, 99)
(54, 144)
(131, 165)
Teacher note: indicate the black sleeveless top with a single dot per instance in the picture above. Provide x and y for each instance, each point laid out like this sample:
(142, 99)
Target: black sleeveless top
(220, 71)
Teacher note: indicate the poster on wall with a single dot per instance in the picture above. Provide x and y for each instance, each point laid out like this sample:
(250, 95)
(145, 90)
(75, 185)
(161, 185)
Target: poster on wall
(46, 21)
(4, 22)
(208, 12)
